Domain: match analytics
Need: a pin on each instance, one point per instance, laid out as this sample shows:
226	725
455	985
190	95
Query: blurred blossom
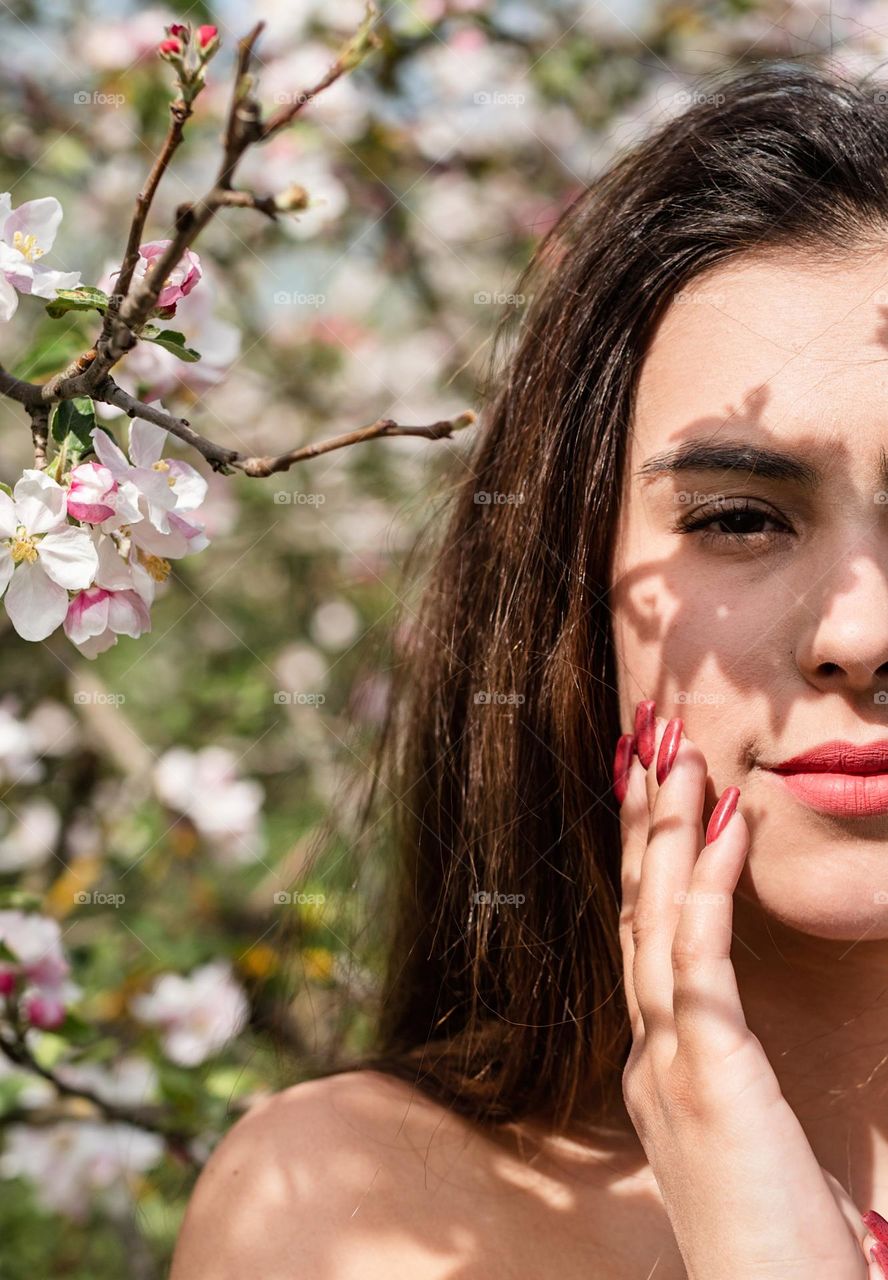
119	43
30	1090
72	1162
225	808
299	667
328	198
129	1081
341	108
18	747
472	97
53	728
39	974
30	838
335	624
196	1015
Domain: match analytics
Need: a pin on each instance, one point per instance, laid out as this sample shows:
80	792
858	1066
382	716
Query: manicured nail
622	762
876	1225
722	813
645	730
879	1254
668	748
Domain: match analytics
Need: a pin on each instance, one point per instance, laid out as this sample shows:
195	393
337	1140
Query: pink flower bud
8	979
44	1011
206	34
178	29
169	48
90	486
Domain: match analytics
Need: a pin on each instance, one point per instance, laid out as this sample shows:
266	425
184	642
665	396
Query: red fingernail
722	813
645	730
876	1225
622	761
879	1253
668	748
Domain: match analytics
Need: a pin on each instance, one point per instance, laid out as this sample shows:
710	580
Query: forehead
770	346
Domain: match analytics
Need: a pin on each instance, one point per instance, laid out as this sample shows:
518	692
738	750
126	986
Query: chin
822	901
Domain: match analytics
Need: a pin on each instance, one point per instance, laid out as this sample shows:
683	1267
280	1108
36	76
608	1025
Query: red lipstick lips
840	778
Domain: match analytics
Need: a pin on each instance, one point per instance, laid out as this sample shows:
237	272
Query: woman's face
767	629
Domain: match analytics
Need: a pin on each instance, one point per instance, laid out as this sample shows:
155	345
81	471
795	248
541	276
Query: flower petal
8	521
8	299
36	605
37	218
69	557
45	281
40	503
146	442
110	453
7	565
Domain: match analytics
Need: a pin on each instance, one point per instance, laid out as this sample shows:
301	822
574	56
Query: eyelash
702	521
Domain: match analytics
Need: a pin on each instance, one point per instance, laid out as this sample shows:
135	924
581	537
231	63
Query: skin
779	642
767	641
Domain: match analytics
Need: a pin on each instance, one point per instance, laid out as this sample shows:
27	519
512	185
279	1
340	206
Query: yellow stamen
156	565
23	548
160	465
27	245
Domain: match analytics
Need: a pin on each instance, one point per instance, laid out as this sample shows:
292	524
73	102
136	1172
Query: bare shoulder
311	1180
358	1176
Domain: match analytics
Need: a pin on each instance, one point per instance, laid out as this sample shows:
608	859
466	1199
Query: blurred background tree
160	803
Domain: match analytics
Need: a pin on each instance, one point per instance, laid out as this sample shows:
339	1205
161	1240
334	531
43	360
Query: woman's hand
745	1195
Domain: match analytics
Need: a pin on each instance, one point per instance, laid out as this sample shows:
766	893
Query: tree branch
223	459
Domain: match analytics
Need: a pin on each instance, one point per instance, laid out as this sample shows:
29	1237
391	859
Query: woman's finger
706	1004
634	821
675	839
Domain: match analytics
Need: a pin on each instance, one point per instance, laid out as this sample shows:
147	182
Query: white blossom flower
225	808
25	236
197	1014
72	1162
42	556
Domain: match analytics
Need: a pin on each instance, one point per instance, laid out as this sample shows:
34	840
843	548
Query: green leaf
13	898
7	488
170	340
83	298
72	422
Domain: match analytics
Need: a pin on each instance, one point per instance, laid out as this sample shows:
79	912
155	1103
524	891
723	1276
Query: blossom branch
223	459
150	1119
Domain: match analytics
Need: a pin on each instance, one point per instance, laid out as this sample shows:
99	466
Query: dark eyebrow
701	455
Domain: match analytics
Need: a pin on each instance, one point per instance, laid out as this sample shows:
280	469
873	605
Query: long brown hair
503	992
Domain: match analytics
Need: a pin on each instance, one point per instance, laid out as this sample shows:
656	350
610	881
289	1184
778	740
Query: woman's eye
735	523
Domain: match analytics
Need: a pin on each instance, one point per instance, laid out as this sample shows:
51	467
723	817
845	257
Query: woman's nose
845	639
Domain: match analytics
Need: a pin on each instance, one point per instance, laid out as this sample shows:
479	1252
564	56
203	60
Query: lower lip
850	795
